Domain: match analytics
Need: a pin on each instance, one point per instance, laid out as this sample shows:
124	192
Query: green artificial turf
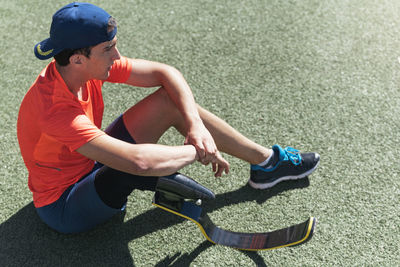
316	75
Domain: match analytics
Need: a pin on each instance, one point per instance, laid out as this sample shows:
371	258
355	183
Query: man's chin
105	76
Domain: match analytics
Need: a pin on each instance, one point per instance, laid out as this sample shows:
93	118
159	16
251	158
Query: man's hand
207	151
201	139
220	165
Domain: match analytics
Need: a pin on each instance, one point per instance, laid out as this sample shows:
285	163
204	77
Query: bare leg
232	142
148	120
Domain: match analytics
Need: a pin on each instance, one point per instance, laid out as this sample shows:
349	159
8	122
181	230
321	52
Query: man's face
101	58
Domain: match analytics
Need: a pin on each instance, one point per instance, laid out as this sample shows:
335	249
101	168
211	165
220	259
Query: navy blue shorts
80	208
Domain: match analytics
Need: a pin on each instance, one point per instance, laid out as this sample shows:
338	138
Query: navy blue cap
74	26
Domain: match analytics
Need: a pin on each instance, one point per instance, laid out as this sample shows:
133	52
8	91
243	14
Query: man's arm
153	159
138	159
151	74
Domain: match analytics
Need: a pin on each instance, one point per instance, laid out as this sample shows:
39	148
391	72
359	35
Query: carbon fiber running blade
290	236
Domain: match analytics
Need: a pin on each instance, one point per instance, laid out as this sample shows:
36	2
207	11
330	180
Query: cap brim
45	49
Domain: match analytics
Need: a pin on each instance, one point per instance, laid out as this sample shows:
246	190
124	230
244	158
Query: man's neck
74	80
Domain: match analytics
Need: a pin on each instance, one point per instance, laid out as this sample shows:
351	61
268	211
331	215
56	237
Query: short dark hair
62	58
112	23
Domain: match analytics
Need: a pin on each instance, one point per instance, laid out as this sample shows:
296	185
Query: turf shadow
26	241
179	259
246	193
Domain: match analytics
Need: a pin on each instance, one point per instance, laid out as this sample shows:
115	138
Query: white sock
265	162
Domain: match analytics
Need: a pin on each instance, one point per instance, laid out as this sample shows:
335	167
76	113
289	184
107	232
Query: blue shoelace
293	155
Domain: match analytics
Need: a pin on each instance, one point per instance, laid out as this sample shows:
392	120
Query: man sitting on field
81	175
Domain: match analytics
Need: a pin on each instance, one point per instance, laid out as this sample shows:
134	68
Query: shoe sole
284	178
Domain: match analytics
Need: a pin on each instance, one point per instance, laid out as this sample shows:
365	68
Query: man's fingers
201	152
210	146
204	144
220	165
219	171
227	168
206	156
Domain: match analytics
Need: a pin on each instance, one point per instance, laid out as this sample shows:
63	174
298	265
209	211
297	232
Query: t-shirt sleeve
69	125
120	71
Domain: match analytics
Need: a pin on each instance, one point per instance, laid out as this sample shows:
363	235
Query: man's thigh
78	209
150	118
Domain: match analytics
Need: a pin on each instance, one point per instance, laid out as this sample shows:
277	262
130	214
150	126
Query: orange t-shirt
53	123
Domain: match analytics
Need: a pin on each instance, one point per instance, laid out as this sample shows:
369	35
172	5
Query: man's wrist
193	148
193	121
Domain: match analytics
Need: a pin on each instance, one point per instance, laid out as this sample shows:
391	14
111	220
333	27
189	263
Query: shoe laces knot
293	155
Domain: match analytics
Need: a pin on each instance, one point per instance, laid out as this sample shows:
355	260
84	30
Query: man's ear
75	59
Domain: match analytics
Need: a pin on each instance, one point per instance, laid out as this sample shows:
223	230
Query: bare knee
166	101
163	95
169	108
